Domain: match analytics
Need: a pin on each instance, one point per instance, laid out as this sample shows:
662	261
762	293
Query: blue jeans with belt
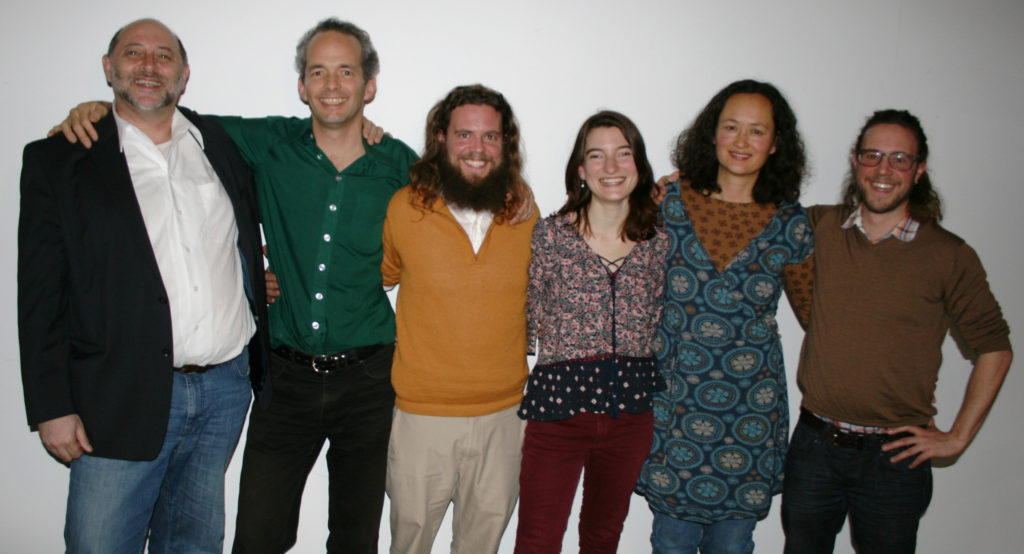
176	499
830	474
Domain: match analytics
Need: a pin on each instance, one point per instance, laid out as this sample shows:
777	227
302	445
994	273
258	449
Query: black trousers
351	408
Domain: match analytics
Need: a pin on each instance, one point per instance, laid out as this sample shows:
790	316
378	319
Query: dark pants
351	408
608	451
824	482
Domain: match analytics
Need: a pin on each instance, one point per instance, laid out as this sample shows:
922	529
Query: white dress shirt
191	225
474	223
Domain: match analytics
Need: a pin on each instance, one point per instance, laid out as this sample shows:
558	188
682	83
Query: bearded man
460	355
889	283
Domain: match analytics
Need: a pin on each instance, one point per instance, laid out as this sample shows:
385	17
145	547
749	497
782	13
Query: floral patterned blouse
594	327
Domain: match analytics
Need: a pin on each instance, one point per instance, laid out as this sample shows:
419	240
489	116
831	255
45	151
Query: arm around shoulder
78	125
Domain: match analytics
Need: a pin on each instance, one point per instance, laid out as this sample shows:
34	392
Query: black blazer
94	322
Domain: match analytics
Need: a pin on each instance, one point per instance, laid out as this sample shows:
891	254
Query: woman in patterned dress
739	238
597	276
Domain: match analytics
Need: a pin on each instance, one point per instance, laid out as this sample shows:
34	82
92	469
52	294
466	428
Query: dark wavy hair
924	202
370	62
424	176
643	211
783	173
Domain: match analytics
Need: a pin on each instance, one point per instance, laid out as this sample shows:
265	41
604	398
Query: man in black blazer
139	293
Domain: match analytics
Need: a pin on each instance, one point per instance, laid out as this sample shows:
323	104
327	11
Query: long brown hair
923	202
643	212
424	177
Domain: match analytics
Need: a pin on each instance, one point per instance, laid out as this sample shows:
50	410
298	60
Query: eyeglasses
900	161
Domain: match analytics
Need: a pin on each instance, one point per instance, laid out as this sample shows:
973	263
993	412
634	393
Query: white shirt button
321	267
327	237
319	296
316	325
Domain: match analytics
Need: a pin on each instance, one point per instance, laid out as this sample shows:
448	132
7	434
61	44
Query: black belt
327	363
193	369
848	439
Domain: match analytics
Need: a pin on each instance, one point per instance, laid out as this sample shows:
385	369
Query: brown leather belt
327	363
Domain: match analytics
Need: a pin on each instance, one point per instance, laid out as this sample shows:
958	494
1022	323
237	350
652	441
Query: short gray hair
370	62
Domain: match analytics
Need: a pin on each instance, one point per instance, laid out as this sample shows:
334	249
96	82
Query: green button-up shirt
323	231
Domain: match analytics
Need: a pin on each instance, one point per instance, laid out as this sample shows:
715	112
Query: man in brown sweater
889	284
460	360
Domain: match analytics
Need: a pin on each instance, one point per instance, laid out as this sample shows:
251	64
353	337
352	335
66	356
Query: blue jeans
676	536
177	499
824	482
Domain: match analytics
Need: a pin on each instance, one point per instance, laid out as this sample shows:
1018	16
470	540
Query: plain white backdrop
958	65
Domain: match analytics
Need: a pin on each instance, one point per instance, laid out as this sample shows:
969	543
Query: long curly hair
924	202
783	173
642	219
424	175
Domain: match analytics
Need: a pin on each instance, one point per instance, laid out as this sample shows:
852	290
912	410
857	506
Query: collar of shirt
474	223
905	230
180	126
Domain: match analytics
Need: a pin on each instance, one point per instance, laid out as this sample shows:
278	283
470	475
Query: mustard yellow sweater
460	318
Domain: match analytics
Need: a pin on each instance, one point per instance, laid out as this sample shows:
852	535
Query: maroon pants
608	451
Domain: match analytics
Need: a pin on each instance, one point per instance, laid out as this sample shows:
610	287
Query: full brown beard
485	195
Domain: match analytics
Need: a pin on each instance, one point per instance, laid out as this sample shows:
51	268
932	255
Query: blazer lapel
111	173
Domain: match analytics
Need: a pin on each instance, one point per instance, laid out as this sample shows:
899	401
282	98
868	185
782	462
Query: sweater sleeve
976	318
391	263
798	280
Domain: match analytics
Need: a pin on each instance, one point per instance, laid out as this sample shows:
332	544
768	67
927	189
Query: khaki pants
471	462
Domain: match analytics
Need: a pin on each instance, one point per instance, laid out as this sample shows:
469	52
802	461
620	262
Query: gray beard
170	97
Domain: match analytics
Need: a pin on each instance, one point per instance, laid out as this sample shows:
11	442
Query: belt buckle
849	440
321	358
836	435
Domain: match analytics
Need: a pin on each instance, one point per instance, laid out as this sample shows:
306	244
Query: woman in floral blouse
738	239
597	276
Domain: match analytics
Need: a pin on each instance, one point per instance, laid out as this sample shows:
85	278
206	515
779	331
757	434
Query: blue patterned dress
721	426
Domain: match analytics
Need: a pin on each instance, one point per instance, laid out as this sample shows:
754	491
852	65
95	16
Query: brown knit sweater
879	315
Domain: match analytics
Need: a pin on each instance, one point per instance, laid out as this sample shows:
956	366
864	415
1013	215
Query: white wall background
958	65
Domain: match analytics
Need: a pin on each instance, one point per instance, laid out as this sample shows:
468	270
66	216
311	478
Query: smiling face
608	166
473	141
333	85
883	189
745	136
146	69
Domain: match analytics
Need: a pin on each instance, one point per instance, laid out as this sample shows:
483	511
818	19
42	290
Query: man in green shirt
323	194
